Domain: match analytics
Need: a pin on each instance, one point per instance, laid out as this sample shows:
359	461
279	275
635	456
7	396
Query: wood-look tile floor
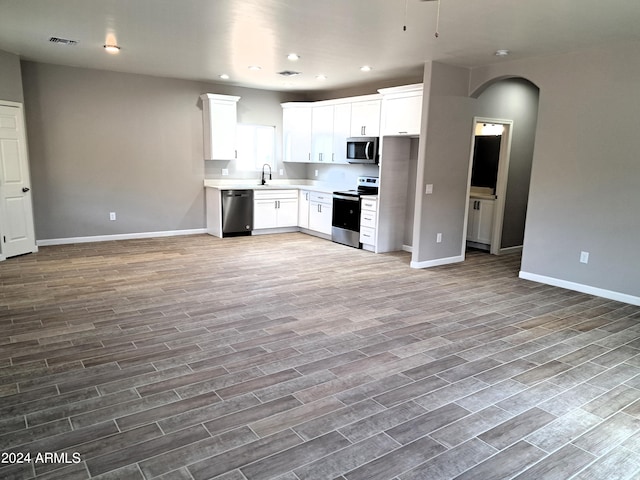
291	357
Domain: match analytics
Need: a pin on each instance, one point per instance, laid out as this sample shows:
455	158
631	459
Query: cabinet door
320	217
341	131
480	223
303	209
287	212
296	127
220	118
485	221
322	134
402	115
264	214
365	119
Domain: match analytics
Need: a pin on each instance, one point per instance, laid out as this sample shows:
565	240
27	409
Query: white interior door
16	211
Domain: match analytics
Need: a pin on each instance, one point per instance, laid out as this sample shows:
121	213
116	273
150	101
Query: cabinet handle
319	208
309	156
402	133
333	156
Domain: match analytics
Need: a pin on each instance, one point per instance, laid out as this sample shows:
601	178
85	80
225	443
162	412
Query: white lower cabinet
480	224
275	209
303	208
320	212
368	212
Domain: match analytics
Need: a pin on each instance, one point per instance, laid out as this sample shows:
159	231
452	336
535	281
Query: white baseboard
507	250
407	248
578	287
120	236
437	262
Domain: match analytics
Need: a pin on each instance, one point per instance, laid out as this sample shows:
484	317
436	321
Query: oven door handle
346	197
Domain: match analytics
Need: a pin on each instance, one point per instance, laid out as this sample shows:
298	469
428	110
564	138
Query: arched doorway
512	104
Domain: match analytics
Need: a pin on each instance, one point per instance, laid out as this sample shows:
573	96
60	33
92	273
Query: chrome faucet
263	180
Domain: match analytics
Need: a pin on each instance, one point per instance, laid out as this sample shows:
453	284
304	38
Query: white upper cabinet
296	136
365	118
219	120
341	131
402	110
322	134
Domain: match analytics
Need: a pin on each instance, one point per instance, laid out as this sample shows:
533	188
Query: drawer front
367	219
320	197
368	204
367	235
274	194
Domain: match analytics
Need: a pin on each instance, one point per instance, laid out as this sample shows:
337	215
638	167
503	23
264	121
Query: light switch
225	171
429	189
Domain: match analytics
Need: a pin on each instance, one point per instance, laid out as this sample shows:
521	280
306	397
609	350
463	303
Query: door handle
25	189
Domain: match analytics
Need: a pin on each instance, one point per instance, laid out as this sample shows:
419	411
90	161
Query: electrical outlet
316	173
584	257
281	171
428	189
225	171
438	238
112	216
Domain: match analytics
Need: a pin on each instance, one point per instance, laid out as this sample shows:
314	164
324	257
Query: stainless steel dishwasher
237	212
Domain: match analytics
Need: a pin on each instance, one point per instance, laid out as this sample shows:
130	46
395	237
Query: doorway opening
487	184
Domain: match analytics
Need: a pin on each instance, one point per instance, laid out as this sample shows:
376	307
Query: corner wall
443	161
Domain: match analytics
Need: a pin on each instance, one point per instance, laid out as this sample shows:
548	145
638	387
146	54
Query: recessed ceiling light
112	48
224	76
365	68
502	52
321	77
293	57
255	68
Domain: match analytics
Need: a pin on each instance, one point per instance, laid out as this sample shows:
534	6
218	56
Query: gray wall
443	160
105	141
10	77
586	172
517	100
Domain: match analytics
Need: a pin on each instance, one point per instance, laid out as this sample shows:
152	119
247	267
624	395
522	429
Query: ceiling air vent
288	73
63	41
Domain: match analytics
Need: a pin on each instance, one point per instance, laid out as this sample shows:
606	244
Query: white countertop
482	193
247	184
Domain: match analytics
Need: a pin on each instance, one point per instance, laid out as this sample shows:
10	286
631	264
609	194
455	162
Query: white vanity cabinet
480	223
368	213
275	209
219	114
365	118
320	212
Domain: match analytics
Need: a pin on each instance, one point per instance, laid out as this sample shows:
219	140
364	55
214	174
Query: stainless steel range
345	224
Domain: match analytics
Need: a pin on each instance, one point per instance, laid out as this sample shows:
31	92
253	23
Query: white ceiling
201	39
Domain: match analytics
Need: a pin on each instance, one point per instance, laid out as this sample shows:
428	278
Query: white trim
437	262
269	231
120	236
578	287
407	248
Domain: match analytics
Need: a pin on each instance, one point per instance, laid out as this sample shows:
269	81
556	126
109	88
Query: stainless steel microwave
362	150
